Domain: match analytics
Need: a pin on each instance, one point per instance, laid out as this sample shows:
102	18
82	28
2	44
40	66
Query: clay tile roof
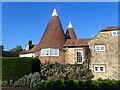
110	28
53	36
24	51
76	42
35	48
70	34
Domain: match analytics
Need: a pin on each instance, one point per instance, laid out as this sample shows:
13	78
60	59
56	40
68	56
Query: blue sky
23	21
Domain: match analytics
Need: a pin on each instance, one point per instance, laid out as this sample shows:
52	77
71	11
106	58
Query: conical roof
53	36
70	34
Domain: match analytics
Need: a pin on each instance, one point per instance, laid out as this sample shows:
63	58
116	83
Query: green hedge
14	68
79	84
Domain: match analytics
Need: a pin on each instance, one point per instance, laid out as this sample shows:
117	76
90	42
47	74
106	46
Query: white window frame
27	47
76	57
115	33
99	66
100	46
49	52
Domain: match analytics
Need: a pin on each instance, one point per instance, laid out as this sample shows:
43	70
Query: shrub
30	80
11	83
14	68
66	72
78	84
51	84
70	84
5	83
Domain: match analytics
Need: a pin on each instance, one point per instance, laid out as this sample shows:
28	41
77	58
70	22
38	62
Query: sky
23	21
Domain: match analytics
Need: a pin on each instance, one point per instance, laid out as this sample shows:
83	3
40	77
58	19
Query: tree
18	49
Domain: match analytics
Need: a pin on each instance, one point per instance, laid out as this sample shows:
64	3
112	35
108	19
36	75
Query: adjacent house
101	53
7	53
105	53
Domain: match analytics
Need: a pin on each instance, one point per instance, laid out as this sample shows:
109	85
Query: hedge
14	68
79	84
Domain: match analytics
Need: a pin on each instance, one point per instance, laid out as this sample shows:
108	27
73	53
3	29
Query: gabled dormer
29	45
115	31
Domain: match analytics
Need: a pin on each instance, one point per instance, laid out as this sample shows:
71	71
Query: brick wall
70	55
52	59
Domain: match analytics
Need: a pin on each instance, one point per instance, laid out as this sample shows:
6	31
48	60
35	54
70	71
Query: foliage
14	68
30	80
7	83
78	84
34	81
87	56
18	49
65	72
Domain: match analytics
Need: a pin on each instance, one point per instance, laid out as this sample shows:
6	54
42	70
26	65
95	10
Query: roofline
76	46
108	30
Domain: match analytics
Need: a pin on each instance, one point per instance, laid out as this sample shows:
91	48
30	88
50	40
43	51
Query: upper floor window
100	47
49	52
79	57
115	33
99	68
27	47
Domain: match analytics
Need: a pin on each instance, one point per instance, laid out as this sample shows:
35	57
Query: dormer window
115	33
27	47
49	52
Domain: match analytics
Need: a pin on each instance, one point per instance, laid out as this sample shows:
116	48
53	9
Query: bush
51	84
14	68
70	84
78	84
7	83
30	80
66	72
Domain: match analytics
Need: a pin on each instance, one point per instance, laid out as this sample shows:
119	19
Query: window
99	68
45	52
27	47
100	47
115	33
49	52
79	57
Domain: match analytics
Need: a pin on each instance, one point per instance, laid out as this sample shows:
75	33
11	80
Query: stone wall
52	59
119	57
70	55
109	58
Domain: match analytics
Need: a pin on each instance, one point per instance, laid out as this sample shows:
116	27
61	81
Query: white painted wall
27	55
